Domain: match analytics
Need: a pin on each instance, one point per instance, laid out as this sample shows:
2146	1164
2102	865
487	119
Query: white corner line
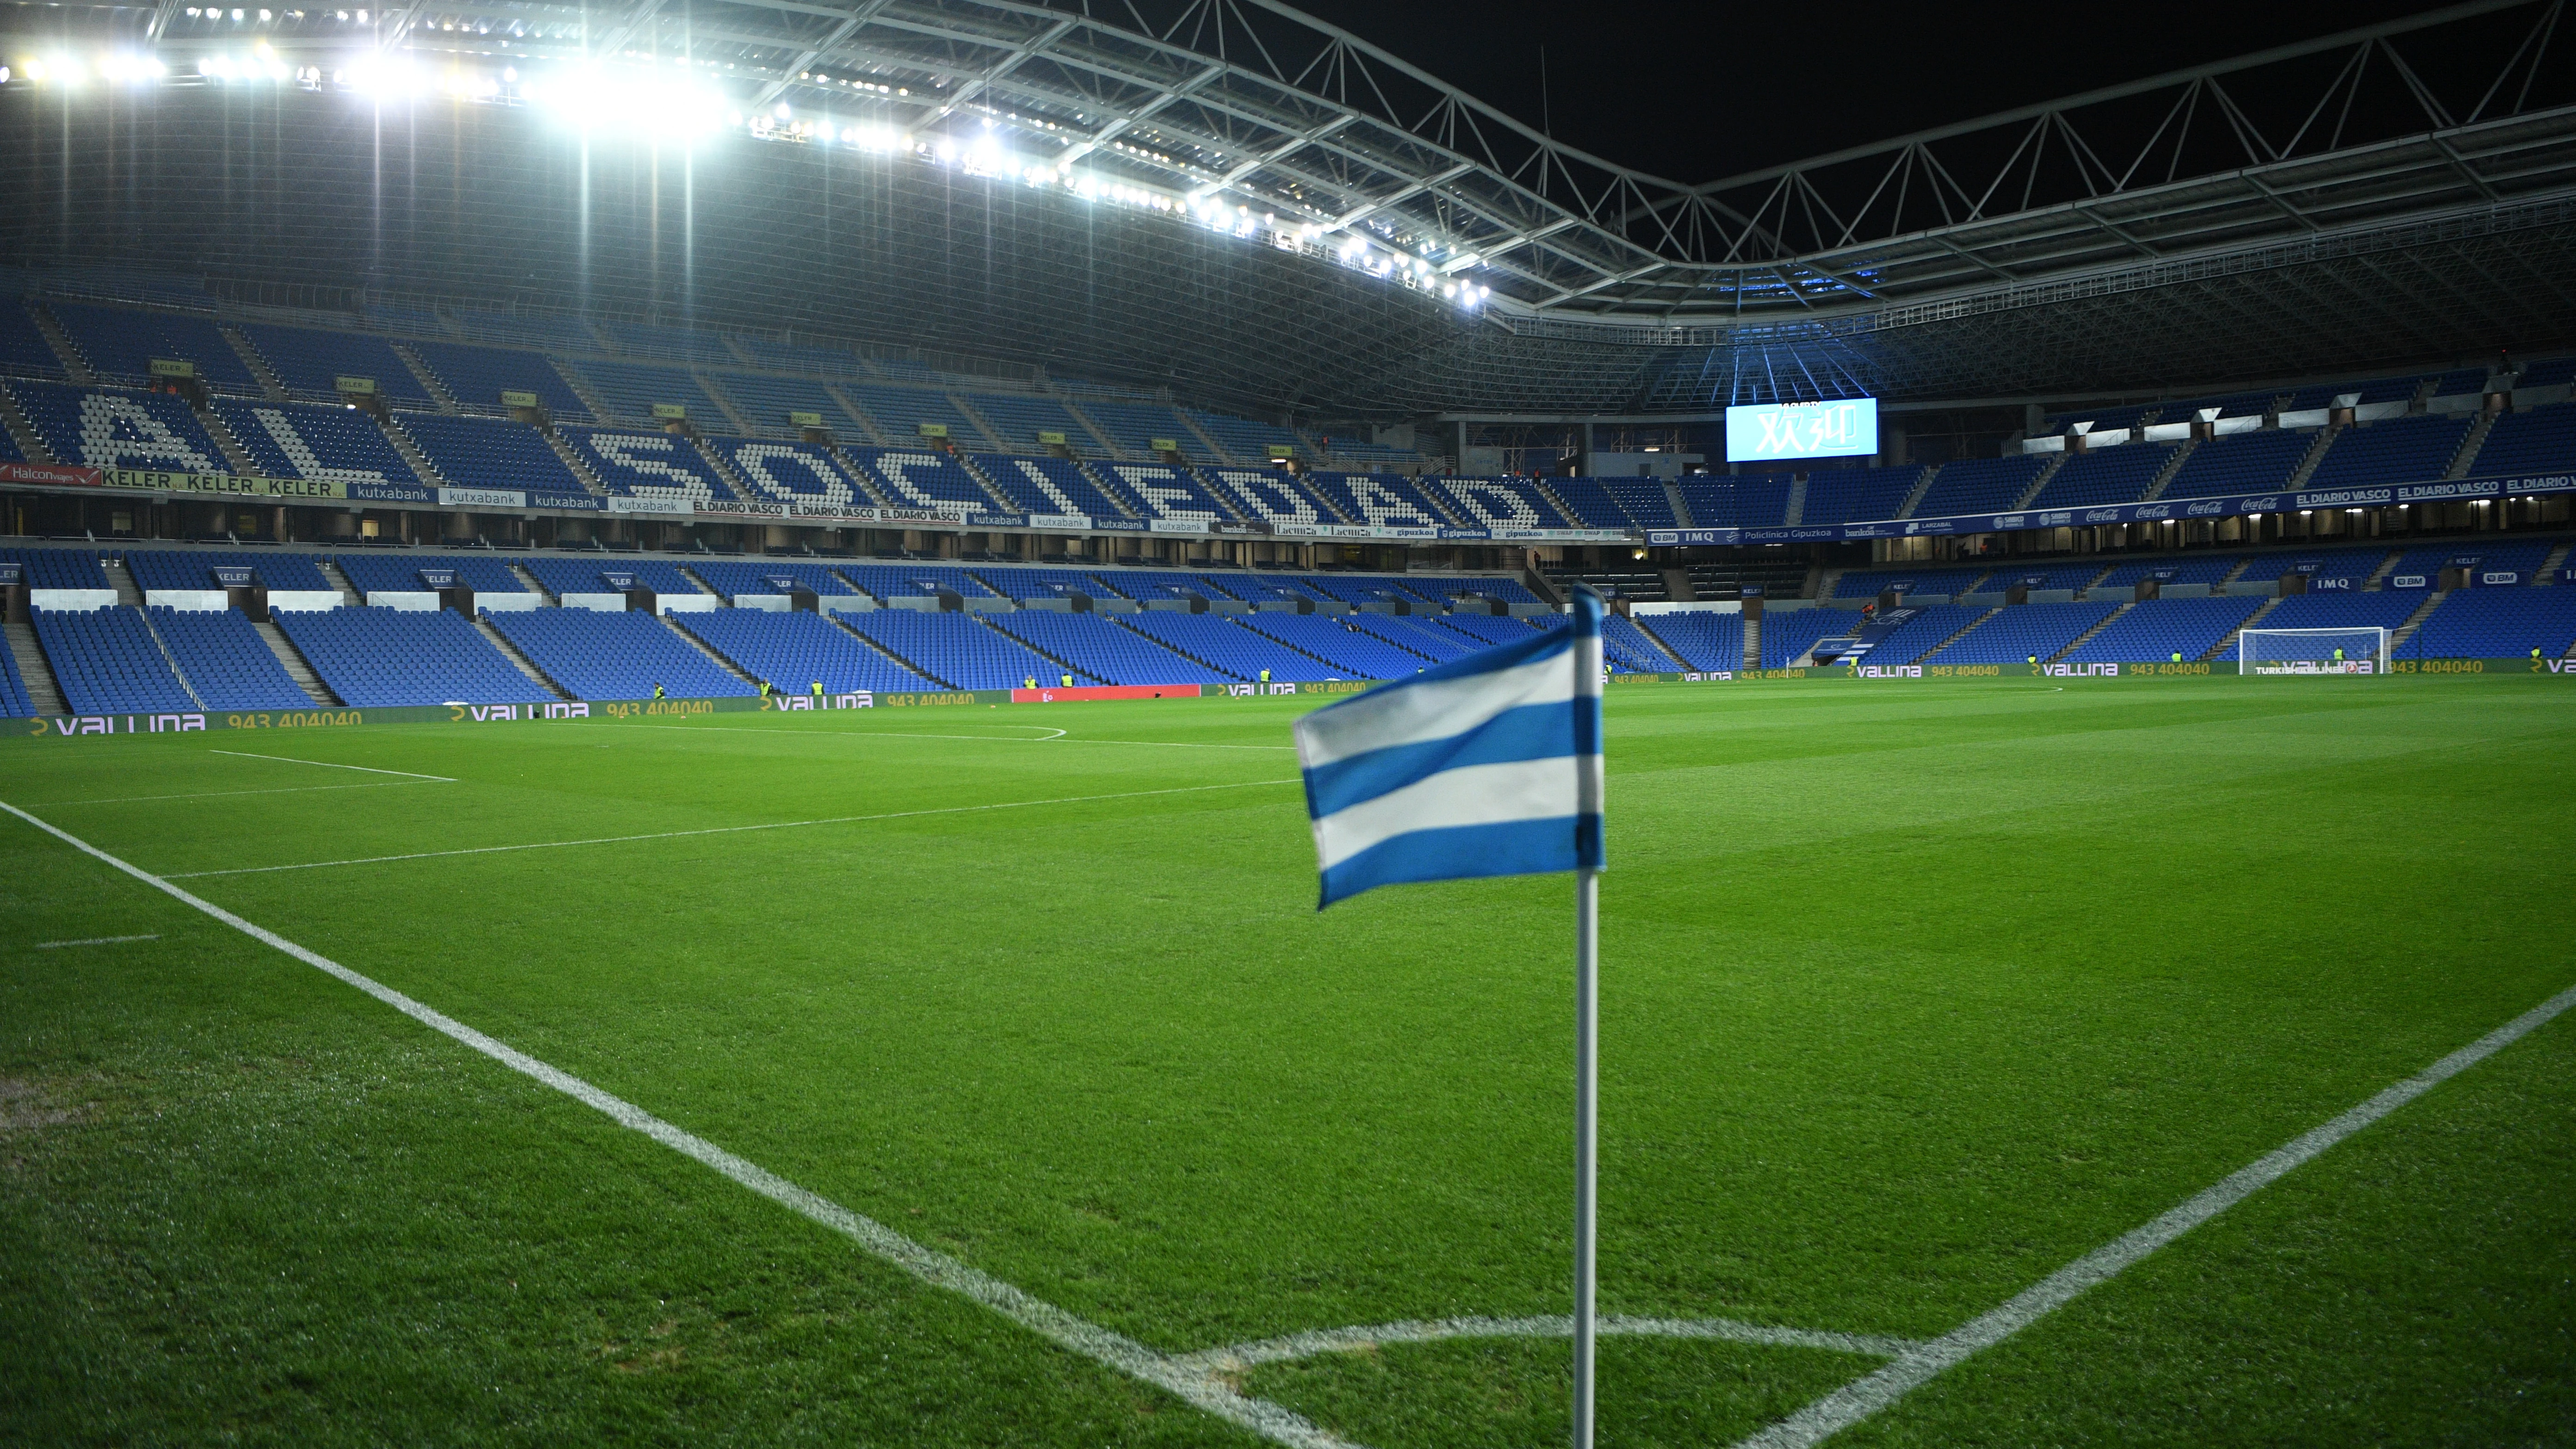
1237	1357
329	765
717	830
95	941
1865	1396
1114	1350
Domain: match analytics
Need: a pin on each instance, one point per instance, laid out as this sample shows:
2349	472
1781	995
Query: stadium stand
1591	503
1248	441
954	649
2488	559
1232	648
383	658
1132	427
593	655
911	478
1051	485
2325	566
14	701
1349	651
589	575
1702	640
324	444
173	568
899	413
1790	633
661	467
2240	463
793	473
791	651
24	352
489	453
912	581
1502	503
1168	492
797	357
765	400
477	376
629	391
106	662
2399	450
2379	610
681	344
399	573
733	578
1018	418
559	334
2540	441
2124	579
1909	641
1382	500
1625	647
2496	624
1486	630
1979	485
101	429
2022	631
58	568
2063	576
1858	495
1870	583
225	661
311	362
2113	475
2155	631
1043	583
1414	635
1092	646
122	345
1267	494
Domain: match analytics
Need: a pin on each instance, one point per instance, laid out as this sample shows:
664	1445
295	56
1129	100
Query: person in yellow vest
818	689
657	689
764	691
2177	656
1068	681
2034	660
1031	682
1265	676
2338	654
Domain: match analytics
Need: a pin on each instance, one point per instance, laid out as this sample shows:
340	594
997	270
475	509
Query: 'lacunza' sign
1841	428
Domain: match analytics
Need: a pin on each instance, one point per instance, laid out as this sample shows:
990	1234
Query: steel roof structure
1306	222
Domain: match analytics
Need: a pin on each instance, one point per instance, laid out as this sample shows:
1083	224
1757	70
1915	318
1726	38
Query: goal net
2312	651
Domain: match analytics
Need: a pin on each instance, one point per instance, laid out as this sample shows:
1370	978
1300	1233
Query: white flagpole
1587	1012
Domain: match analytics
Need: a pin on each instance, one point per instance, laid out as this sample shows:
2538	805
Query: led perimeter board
1769	432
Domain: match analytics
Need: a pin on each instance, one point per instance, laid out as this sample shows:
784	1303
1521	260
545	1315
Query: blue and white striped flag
1487	765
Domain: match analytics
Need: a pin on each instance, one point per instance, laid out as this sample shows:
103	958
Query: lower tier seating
220	653
108	663
793	651
596	655
387	658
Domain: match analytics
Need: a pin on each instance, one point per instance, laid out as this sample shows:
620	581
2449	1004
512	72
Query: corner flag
1487	765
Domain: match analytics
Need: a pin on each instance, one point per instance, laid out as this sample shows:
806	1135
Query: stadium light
603	100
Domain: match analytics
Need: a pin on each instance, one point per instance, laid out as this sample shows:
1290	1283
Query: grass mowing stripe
1863	1397
95	941
723	829
328	765
277	790
1058	737
1194	1386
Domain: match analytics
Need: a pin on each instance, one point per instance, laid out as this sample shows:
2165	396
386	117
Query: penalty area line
722	829
329	765
1102	1346
1866	1396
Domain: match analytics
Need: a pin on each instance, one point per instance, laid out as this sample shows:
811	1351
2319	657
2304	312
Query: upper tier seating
1268	494
1370	589
644	339
792	651
582	574
954	649
664	467
1592	505
2238	463
1045	583
1220	642
1908	642
795	357
1744	500
2064	576
765	402
1101	650
24	352
1870	583
1978	485
629	390
596	655
2496	624
1134	427
2540	441
1019	418
1248	441
100	429
557	334
386	658
1703	641
2356	564
733	578
121	346
58	568
225	660
1168	492
1643	500
325	444
899	413
2153	632
2490	557
1858	495
1055	486
107	663
2397	450
918	478
2020	632
1501	503
1383	500
399	573
2125	578
1786	634
793	473
2113	475
477	376
1349	651
490	453
912	581
311	363
173	568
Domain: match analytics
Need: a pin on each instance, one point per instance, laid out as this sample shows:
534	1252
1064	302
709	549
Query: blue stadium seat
1134	426
2112	475
489	453
629	391
2483	556
2397	450
911	478
1502	503
2542	440
386	658
794	473
100	429
1353	653
311	363
1858	495
2237	463
1377	500
765	401
58	568
122	345
586	574
1870	583
14	701
2153	632
223	658
734	578
912	581
663	467
2021	631
1909	641
325	444
1786	634
2355	564
24	352
1271	495
791	651
615	655
1230	647
1050	485
1168	492
1094	647
956	649
1703	640
1978	485
399	573
2496	624
477	376
193	568
899	413
106	662
1020	417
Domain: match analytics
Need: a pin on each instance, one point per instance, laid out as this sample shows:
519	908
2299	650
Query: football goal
2312	651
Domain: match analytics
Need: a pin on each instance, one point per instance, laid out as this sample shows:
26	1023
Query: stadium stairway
121	579
1958	634
521	662
2550	566
260	371
429	380
861	478
2378	579
700	645
2466	459
34	671
1914	499
170	659
1099	438
1673	500
234	454
2316	456
412	456
2165	475
905	661
519	571
2414	621
572	460
2081	639
31	446
75	366
2226	644
1795	512
1753	643
875	436
292	660
350	598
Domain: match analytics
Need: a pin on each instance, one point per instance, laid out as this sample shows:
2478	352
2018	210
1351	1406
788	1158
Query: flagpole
1587	892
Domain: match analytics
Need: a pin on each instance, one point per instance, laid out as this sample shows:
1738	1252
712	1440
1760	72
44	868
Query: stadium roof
2399	193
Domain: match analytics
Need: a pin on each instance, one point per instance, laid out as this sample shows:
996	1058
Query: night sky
1698	91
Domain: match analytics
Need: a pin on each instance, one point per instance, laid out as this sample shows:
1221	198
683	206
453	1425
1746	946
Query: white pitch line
1059	737
1235	1358
329	765
279	790
1100	1345
94	941
721	830
1863	1397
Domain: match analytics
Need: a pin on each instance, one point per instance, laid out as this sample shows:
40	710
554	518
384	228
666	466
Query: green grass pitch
1912	995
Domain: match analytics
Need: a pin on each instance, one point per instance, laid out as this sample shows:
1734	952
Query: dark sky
1698	91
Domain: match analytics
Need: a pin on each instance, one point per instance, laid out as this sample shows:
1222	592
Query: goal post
2312	651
